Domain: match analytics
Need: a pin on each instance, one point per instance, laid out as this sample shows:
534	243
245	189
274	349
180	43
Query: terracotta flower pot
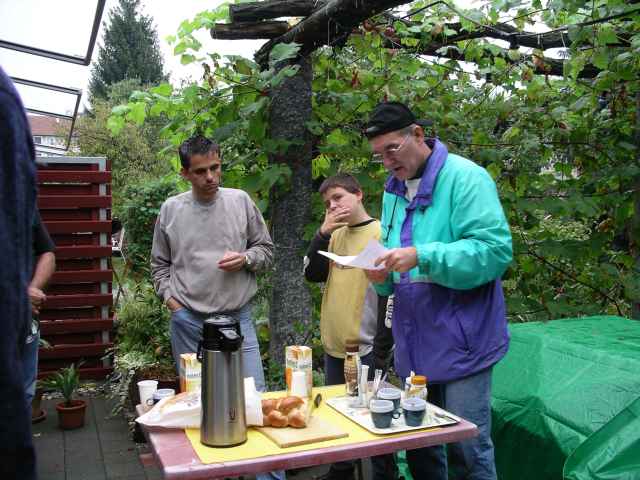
73	416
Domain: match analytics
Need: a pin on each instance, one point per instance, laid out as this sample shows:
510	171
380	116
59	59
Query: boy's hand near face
334	219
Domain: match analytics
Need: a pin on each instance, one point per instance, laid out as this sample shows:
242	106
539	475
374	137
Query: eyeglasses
389	151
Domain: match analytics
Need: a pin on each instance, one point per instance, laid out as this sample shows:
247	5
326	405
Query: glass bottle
417	387
351	367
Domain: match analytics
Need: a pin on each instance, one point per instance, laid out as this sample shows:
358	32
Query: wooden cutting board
318	430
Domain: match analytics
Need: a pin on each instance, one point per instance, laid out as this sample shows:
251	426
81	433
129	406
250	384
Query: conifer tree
130	50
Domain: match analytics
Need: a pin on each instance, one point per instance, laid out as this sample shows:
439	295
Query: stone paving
100	450
103	449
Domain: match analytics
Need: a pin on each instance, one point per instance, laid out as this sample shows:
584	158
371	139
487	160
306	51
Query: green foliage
134	154
130	51
563	150
143	325
143	342
64	381
140	207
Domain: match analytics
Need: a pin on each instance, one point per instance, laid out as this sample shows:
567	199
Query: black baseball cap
389	117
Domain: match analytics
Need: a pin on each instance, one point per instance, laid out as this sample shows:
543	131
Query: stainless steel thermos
223	422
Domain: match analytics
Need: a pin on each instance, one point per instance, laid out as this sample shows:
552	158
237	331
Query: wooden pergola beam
256	11
327	25
249	30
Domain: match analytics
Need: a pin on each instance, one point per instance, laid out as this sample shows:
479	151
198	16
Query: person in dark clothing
351	309
45	264
17	206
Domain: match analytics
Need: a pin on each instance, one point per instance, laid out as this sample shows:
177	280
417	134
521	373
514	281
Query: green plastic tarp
566	401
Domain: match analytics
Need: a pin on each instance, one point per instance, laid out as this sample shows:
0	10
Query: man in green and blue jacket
450	244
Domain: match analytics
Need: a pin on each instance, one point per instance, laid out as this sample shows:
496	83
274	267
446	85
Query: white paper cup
146	389
299	383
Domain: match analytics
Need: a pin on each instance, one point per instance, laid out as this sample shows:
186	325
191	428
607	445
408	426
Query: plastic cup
414	410
382	412
146	389
299	383
392	394
159	395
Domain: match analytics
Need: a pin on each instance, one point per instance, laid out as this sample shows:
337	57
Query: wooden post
290	212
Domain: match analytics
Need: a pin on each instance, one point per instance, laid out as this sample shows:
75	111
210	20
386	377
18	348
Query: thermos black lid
221	333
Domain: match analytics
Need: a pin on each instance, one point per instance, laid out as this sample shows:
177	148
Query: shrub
142	341
140	207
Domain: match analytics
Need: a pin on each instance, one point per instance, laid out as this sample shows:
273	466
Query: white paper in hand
365	259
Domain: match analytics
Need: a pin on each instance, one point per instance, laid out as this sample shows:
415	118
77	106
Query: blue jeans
186	333
471	459
29	360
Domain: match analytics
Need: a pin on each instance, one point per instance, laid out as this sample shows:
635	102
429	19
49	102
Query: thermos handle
232	336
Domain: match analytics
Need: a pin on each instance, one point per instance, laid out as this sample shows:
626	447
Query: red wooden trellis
74	199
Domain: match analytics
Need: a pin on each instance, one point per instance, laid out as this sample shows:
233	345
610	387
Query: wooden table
177	459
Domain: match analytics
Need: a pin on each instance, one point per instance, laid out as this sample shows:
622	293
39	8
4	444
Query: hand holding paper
365	259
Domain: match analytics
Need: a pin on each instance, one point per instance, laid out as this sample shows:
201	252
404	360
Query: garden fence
74	199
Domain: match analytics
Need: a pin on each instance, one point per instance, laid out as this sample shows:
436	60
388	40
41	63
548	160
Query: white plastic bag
252	402
184	410
179	411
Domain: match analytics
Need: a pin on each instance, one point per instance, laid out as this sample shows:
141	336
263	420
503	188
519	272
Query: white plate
435	417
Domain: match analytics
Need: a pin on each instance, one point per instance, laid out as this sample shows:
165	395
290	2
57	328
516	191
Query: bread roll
268	405
296	418
283	412
287	404
277	419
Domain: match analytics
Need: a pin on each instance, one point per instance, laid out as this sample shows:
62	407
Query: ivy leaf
187	59
558	112
115	124
514	55
120	110
320	165
606	36
254	107
284	73
581	103
283	51
163	89
337	138
600	58
137	112
225	131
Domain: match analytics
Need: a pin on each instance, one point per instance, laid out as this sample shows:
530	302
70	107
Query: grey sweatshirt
190	237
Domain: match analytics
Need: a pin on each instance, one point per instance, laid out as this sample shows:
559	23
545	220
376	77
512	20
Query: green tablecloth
566	401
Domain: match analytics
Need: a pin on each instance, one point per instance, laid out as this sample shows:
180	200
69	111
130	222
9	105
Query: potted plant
70	412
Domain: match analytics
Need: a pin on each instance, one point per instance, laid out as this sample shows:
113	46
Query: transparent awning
35	27
42	45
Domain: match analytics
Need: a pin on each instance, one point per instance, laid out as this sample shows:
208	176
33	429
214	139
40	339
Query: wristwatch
248	263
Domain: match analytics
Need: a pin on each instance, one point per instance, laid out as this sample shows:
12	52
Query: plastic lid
418	380
381	406
413	404
388	393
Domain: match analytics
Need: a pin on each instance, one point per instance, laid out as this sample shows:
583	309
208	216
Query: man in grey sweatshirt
207	245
